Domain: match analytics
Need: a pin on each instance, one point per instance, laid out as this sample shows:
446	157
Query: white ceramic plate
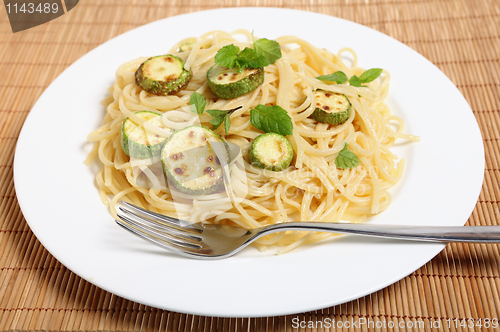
59	199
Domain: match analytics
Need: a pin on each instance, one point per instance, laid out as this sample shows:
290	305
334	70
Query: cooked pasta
313	188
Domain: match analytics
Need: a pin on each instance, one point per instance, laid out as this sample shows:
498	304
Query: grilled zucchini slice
139	142
186	46
190	162
207	43
332	108
227	83
162	75
271	151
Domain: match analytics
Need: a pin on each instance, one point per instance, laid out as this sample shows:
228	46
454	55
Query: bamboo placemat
461	37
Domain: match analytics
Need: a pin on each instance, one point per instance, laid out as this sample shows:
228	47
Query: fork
208	241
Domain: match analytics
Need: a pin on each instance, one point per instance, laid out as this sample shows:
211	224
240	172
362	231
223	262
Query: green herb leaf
370	75
217	113
339	77
346	159
218	118
230	56
271	119
221	116
226	56
354	81
216	122
227	123
248	58
270	49
198	103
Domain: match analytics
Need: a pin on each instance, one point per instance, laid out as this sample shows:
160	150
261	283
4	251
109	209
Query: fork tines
164	231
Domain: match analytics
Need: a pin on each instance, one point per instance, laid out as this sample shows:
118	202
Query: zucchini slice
190	162
227	83
162	75
207	43
139	142
186	46
271	151
332	108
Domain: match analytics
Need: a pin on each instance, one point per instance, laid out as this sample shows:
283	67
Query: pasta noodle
312	189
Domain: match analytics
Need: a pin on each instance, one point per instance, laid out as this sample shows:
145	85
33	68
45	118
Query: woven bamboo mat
461	37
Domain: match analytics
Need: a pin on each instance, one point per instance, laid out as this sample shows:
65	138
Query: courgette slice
190	162
271	151
332	108
207	43
162	75
186	46
227	83
139	142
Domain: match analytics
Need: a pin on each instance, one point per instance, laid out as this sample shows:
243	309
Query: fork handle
477	234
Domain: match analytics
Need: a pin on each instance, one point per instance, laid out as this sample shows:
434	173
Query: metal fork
207	241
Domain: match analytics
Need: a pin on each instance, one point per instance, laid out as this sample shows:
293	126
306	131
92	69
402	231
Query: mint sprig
230	57
271	119
355	81
370	75
346	159
226	56
270	49
220	116
249	58
367	76
264	53
340	77
198	103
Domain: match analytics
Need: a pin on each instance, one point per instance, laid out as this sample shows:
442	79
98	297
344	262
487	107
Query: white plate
59	199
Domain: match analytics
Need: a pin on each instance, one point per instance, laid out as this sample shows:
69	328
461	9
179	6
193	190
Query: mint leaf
248	58
217	113
216	122
346	159
370	75
270	49
339	77
254	59
230	56
218	118
226	56
227	123
271	119
198	103
221	116
354	81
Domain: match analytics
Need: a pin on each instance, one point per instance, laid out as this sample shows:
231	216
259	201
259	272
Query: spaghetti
312	189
